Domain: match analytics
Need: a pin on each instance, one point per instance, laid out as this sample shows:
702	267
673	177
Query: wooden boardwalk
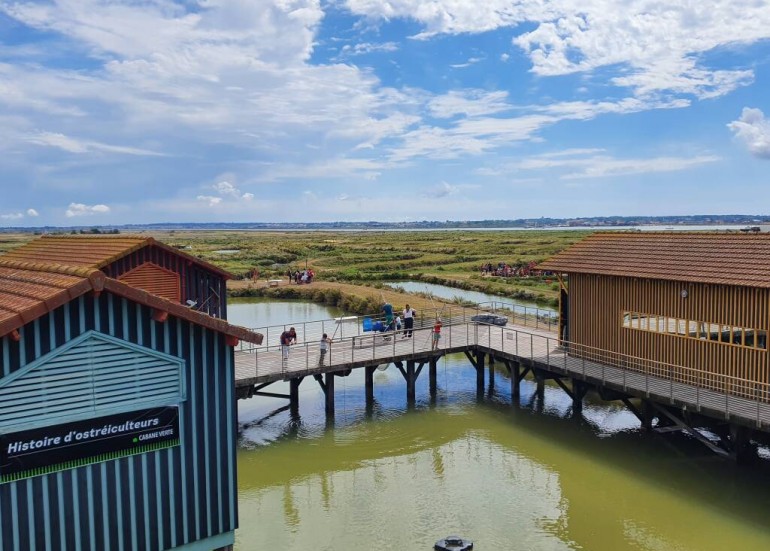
524	346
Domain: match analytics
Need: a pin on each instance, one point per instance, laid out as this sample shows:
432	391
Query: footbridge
676	396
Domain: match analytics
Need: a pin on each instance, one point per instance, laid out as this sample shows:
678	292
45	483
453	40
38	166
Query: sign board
57	447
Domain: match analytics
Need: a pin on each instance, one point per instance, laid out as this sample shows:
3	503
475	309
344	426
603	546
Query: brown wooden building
138	261
694	305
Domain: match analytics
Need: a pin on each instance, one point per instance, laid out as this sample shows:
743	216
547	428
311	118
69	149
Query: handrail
352	325
706	389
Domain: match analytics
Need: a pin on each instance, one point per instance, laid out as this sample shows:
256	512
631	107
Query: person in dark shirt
287	339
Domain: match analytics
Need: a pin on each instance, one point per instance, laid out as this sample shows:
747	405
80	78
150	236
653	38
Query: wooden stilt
410	383
294	394
491	372
369	378
480	360
432	371
515	381
329	395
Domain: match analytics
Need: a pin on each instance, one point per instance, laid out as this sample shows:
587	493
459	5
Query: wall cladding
157	500
597	305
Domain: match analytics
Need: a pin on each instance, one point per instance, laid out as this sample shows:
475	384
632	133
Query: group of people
289	337
502	269
300	276
395	323
392	323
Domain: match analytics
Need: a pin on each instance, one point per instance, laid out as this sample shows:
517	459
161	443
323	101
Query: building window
695	329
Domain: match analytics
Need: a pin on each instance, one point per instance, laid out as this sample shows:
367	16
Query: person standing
287	339
436	334
387	309
409	314
323	348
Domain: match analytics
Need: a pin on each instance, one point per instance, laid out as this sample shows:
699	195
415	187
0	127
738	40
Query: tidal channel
510	477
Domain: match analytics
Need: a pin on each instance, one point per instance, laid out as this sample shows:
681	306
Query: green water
510	477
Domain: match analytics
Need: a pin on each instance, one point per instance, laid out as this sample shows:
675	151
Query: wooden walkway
526	347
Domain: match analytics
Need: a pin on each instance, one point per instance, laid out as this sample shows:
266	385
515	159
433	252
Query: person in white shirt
409	314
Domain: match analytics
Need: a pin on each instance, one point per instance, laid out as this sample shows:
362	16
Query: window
696	329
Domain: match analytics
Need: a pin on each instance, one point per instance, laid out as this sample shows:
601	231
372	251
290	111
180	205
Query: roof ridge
97	236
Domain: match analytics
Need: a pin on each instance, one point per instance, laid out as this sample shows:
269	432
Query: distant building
117	406
695	300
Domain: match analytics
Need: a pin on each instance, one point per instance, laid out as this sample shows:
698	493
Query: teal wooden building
117	415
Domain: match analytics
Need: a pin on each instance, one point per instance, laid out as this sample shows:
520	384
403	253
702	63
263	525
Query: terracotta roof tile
719	258
94	251
30	290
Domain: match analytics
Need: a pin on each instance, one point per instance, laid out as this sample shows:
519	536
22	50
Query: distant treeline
543	222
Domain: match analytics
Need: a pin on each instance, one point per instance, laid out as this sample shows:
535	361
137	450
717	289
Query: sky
147	111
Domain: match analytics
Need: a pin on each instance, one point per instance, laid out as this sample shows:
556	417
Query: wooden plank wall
597	305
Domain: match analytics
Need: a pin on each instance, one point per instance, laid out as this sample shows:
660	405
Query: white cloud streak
80	209
655	44
753	130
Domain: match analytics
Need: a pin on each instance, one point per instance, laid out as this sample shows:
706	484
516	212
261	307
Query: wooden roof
718	258
29	290
94	251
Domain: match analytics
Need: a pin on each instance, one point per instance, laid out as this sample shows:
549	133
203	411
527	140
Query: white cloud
582	164
226	192
471	61
211	200
80	209
468	102
12	216
367	48
442	190
72	145
19	215
753	129
654	44
227	72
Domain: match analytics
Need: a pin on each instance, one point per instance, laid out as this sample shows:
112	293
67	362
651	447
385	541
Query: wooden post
432	378
410	383
329	395
540	387
294	394
480	359
369	376
579	390
741	448
491	372
515	381
648	414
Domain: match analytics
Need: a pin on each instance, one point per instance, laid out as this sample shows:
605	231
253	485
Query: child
323	347
436	334
398	323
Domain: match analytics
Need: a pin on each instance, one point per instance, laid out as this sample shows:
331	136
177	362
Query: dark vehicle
491	319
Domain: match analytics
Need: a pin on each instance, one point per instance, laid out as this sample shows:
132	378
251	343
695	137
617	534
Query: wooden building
117	408
138	261
696	305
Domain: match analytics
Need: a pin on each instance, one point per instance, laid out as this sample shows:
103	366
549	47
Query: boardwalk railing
729	394
352	326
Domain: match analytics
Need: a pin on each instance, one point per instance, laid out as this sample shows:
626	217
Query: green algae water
531	476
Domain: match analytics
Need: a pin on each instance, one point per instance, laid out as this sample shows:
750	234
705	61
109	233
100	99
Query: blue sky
138	111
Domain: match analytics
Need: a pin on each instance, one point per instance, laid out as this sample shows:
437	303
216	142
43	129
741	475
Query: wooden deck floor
529	347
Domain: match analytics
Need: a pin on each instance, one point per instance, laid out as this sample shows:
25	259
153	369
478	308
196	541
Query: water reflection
501	474
450	293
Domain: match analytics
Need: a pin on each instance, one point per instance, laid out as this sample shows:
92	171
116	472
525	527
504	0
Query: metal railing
700	389
349	326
